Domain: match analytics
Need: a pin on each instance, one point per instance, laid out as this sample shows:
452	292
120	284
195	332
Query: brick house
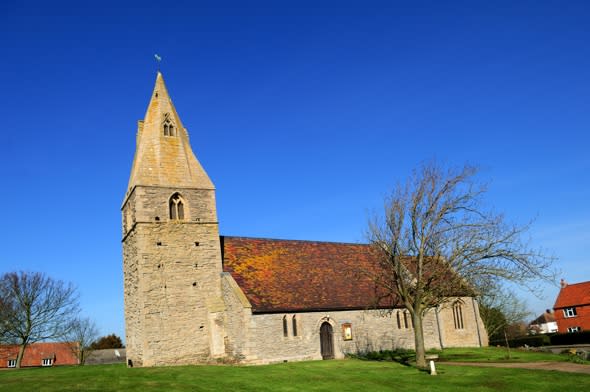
572	307
40	354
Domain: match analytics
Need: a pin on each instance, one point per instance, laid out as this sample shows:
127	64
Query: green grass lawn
338	375
498	354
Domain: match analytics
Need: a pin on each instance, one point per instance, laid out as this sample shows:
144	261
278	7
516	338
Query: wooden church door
327	341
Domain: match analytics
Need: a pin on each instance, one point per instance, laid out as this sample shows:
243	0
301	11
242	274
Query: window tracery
176	207
168	125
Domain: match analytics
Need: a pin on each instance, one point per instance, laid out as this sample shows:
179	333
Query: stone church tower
171	249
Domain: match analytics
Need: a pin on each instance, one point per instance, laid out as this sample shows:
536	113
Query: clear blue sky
304	116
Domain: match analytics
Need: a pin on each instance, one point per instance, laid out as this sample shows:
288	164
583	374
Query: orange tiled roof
573	295
60	352
291	276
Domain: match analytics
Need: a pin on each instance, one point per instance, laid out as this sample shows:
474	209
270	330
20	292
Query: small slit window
458	315
294	322
285	329
176	207
405	320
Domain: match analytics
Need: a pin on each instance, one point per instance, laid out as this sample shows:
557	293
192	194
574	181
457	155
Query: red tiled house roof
291	276
576	294
60	352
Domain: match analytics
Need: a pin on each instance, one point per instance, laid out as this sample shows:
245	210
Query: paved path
558	366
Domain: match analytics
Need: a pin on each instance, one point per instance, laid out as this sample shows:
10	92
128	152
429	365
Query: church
193	296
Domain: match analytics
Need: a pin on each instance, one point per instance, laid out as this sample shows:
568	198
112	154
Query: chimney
563	283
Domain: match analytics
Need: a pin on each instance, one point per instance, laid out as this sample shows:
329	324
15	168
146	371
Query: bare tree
500	308
435	241
6	308
36	308
82	334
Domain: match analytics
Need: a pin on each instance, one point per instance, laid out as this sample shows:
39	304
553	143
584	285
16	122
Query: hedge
557	339
532	341
571	338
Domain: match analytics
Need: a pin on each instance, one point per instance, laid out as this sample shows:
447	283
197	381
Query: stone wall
260	338
372	330
472	333
173	307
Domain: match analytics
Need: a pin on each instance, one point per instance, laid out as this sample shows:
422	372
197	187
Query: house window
285	329
569	312
176	207
399	322
47	362
574	329
294	321
12	363
458	315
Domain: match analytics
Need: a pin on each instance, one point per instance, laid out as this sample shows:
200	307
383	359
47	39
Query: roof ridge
578	283
296	240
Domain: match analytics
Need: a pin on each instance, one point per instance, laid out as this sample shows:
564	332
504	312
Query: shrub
399	355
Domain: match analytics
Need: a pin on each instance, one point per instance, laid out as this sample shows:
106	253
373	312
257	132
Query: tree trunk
21	353
507	345
419	341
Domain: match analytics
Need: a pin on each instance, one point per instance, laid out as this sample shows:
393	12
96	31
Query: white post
432	368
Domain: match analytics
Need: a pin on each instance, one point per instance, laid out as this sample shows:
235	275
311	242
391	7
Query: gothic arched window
176	207
168	126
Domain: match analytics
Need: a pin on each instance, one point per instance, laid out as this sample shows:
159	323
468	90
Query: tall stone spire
163	156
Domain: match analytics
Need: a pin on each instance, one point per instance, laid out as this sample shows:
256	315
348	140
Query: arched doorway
327	341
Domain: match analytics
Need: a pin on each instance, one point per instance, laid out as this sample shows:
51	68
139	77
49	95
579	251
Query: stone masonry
172	265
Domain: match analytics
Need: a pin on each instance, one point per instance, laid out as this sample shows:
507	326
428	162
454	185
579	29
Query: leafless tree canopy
500	308
5	311
34	308
82	334
436	240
